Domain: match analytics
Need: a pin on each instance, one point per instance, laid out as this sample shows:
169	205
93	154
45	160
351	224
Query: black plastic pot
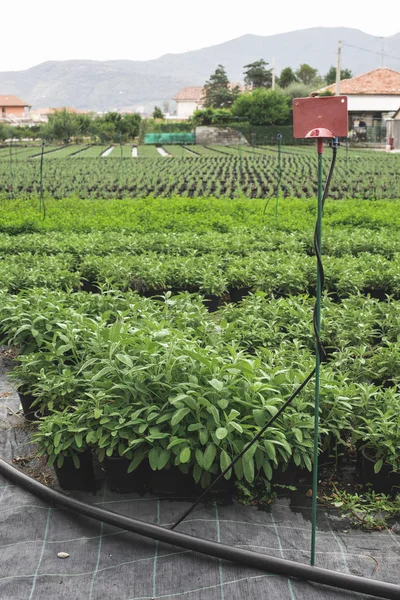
237	294
26	402
71	478
119	480
386	481
171	482
290	476
212	302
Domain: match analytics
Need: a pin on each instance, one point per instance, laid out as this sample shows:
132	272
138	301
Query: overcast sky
39	30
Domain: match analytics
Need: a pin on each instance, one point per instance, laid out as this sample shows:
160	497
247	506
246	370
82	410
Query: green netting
170	138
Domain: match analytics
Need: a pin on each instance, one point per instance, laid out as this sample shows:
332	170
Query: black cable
247	447
248	558
320	350
317	245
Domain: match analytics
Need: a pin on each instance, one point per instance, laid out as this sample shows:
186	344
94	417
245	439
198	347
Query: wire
320	350
371	51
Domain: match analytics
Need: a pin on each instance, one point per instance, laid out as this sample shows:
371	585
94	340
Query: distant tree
62	125
330	77
130	125
306	74
262	107
166	107
217	93
297	90
326	93
84	125
157	113
211	116
257	76
287	77
4	132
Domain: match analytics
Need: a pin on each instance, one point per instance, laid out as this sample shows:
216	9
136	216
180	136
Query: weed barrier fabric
105	562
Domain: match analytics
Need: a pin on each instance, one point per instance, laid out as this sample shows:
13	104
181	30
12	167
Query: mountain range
139	85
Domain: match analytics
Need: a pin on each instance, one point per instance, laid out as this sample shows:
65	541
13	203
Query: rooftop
379	81
9	100
196	93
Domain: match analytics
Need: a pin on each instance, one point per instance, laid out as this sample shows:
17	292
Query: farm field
196	171
196	314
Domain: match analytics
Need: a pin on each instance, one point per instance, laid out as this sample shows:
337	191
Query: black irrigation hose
248	558
320	350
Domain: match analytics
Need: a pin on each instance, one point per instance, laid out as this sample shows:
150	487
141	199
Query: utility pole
339	52
383	51
273	73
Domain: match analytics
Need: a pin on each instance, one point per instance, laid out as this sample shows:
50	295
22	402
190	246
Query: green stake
317	360
278	189
42	206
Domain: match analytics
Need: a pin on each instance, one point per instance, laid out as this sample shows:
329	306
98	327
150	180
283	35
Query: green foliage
212	116
286	77
157	113
330	77
306	74
262	107
368	511
257	76
217	92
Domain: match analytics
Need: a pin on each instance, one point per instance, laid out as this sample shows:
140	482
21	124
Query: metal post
11	171
240	157
42	206
317	358
338	69
347	155
278	188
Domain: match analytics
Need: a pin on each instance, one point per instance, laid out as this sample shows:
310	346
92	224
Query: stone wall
223	136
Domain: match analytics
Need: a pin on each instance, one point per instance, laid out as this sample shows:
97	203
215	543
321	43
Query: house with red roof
191	98
373	98
12	107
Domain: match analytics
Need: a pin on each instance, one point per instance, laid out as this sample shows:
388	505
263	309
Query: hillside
127	84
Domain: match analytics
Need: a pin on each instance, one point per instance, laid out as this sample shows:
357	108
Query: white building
191	98
373	97
188	100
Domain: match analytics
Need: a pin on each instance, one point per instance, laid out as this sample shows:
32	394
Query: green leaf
218	385
197	471
199	457
307	462
203	436
185	455
97	413
248	469
163	458
78	440
221	433
378	465
223	404
125	359
209	455
179	415
267	470
136	460
153	458
298	434
195	427
270	448
259	417
224	462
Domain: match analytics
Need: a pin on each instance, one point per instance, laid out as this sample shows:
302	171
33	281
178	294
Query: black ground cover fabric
107	563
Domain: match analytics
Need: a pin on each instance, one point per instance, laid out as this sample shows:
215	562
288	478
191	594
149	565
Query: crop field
191	318
195	171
